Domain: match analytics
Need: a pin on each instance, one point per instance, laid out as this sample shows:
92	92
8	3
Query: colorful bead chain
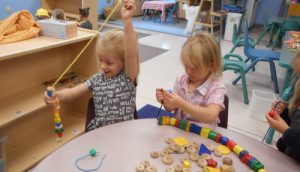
59	129
206	132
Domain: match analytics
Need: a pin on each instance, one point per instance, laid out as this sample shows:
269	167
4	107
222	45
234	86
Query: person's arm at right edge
291	136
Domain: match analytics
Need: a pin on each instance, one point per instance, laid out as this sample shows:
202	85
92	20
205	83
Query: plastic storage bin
232	18
260	104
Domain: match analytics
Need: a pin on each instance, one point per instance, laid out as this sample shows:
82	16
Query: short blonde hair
112	41
202	52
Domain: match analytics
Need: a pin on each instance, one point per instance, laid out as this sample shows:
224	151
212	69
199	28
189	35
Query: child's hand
280	106
128	9
159	95
277	123
50	101
173	99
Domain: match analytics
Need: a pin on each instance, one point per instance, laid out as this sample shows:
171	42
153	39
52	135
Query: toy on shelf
69	80
205	132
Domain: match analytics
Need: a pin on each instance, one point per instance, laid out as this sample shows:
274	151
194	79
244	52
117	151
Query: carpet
164	27
148	52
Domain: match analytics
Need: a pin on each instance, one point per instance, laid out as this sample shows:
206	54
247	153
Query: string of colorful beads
206	132
59	129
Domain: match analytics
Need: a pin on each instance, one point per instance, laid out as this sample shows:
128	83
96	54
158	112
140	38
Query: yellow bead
187	129
186	164
57	120
237	149
205	132
172	121
210	169
262	170
56	115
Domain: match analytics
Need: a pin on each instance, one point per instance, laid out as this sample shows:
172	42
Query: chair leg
233	48
248	68
244	84
145	13
274	76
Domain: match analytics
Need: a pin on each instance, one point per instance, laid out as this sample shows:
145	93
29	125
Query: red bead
218	138
177	123
246	158
212	163
230	144
60	134
272	113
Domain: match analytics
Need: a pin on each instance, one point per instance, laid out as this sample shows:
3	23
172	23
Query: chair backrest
90	112
223	116
246	40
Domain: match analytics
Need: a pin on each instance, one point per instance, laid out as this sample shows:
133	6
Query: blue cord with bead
92	153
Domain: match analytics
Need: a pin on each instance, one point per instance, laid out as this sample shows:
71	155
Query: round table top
128	143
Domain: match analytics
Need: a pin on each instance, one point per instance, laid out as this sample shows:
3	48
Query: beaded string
206	132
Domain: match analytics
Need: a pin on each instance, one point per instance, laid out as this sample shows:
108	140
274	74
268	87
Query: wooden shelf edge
31	157
41	43
21	104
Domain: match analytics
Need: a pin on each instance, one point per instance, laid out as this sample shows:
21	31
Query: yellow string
79	54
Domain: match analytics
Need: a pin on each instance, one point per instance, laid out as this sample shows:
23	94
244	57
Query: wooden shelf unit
71	7
24	117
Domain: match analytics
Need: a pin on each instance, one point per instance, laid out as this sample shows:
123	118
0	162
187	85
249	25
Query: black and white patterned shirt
114	99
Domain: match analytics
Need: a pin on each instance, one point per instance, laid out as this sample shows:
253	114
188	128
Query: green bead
257	166
92	152
212	135
160	119
182	124
60	130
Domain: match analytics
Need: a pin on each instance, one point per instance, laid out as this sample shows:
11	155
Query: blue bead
224	140
242	153
195	128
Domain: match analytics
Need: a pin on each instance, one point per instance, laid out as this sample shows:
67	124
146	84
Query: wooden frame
24	117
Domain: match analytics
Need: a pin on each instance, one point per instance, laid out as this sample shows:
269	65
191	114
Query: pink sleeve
216	94
176	85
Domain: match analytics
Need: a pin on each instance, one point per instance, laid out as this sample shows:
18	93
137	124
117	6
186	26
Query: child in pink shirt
198	94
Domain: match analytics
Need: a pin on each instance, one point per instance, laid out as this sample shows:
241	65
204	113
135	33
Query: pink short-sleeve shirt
212	91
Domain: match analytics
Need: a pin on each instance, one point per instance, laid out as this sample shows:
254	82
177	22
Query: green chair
173	11
237	65
266	29
239	41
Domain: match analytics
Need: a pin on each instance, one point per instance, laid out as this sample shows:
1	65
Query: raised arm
131	46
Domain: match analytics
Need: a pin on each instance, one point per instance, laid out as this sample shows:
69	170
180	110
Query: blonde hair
202	52
293	105
113	41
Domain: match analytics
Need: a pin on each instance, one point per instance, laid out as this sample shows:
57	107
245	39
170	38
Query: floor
161	71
